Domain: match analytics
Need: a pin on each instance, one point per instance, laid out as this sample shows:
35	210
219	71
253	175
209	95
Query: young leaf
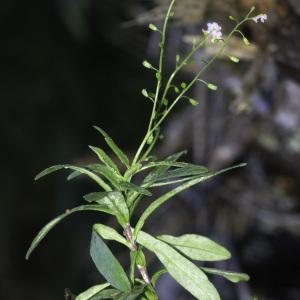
164	198
231	276
181	269
120	154
107	264
105	159
77	169
91	292
44	231
109	233
114	201
132	187
157	275
197	247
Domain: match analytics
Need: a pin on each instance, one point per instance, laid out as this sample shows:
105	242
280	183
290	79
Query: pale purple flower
213	31
262	18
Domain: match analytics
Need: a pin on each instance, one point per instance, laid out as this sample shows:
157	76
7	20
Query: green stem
153	114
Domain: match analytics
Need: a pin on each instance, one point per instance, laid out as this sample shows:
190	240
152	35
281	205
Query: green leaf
107	264
189	170
132	187
130	295
120	154
132	171
150	293
231	276
106	294
109	233
74	168
197	247
91	292
114	201
157	275
180	268
140	259
44	231
164	198
105	159
113	177
161	169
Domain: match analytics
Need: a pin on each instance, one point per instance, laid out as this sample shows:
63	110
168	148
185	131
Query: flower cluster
213	31
262	18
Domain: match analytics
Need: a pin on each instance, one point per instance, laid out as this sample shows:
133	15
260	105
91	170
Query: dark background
68	65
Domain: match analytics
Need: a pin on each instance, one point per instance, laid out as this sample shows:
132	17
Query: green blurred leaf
120	154
231	276
114	201
77	169
197	247
44	231
164	198
109	233
105	159
91	292
157	275
132	187
181	269
107	264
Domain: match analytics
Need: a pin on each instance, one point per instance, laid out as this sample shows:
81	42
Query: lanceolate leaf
159	171
74	168
189	170
231	276
106	294
109	233
154	175
131	295
91	292
108	265
180	268
197	247
164	198
105	158
43	232
135	188
114	201
120	154
113	177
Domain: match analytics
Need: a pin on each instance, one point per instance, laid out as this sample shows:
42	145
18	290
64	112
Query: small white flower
262	18
213	31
